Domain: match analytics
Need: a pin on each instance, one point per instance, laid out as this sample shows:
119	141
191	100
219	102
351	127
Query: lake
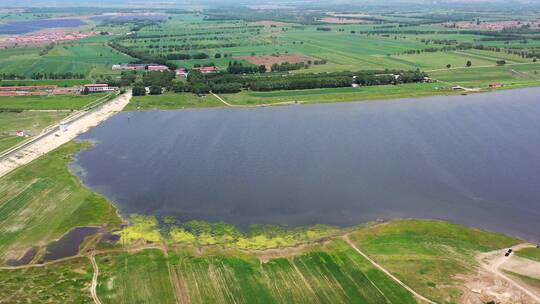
23	27
473	160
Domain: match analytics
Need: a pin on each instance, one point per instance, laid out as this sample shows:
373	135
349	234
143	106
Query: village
43	38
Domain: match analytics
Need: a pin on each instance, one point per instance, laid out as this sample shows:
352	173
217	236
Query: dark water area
473	160
23	27
69	244
130	18
24	260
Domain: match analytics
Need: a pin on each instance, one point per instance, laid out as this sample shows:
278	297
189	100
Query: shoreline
54	138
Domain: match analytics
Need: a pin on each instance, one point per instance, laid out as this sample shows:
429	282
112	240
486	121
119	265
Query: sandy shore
56	139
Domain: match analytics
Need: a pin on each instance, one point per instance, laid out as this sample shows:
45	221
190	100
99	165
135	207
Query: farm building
140	67
181	72
159	68
93	88
207	70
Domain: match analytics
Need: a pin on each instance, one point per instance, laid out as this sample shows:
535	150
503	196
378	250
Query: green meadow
30	122
171	101
43	200
428	255
48	102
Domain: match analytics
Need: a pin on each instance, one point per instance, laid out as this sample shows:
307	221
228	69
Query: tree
139	91
156	90
85	91
501	62
469	63
448	66
217	55
534	59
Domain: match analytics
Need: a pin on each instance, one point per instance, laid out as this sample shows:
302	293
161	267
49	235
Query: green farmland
43	200
30	122
51	102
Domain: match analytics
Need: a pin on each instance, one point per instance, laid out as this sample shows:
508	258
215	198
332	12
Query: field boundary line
417	295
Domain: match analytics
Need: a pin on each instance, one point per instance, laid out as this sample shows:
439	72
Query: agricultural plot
141	277
511	75
427	255
75	57
171	101
30	122
339	94
65	282
332	273
51	102
42	201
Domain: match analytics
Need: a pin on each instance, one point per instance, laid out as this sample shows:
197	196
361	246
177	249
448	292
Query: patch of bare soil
484	287
490	283
523	266
269	60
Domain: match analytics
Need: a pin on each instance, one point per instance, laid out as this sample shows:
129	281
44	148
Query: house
206	70
181	72
99	87
20	133
496	85
129	66
158	68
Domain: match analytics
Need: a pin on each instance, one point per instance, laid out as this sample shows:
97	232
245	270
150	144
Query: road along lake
472	159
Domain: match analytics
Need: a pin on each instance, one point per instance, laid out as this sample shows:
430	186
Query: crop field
141	277
43	200
31	122
427	255
173	101
82	57
50	102
333	273
66	282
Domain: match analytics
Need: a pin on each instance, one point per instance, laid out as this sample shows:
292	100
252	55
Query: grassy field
170	101
43	200
529	253
60	82
427	255
53	102
89	58
31	122
332	273
66	282
339	94
135	278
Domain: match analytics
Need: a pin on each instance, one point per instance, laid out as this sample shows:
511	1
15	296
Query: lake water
23	27
473	160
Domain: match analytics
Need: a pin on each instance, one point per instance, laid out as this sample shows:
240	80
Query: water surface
23	27
471	159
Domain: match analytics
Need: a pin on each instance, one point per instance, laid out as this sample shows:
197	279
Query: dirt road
54	139
93	286
494	261
417	295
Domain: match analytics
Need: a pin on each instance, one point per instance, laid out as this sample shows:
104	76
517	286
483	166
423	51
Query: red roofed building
207	70
99	87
